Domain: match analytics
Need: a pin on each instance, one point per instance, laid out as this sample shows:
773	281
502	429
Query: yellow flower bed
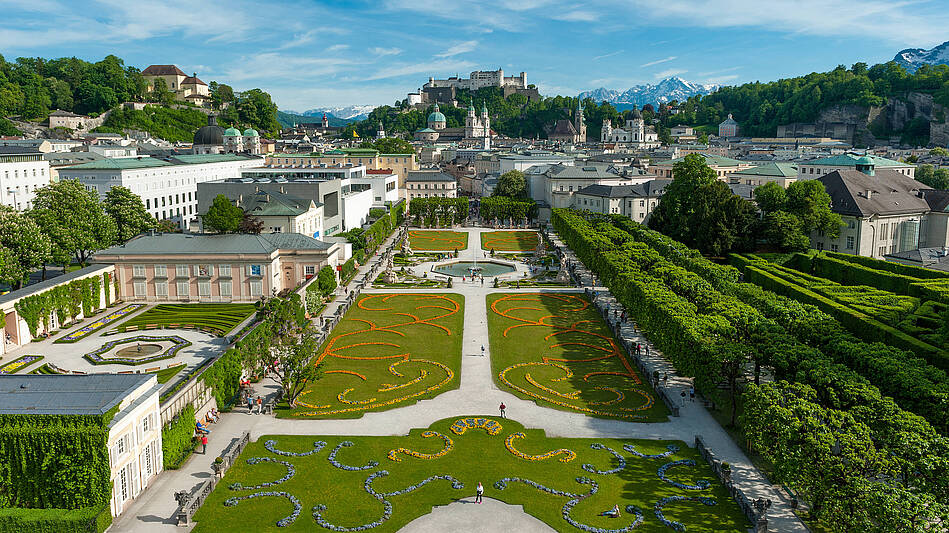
568	455
394	454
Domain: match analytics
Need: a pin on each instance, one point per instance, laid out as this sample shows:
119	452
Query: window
255	288
850	243
851	224
309	270
224	271
203	271
183	289
834	247
161	271
642	203
181	271
882	250
161	289
642	215
139	287
204	289
254	270
138	271
145	424
225	287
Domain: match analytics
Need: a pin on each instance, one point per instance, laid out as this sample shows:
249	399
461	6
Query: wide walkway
477	394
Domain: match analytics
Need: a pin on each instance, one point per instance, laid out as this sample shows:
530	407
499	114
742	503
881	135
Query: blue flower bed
254	460
699	485
671	447
387	505
619	458
283	522
95	357
272	446
337	464
678	526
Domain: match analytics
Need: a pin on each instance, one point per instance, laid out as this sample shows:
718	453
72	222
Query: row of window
183	289
16	173
424	186
201	271
177	200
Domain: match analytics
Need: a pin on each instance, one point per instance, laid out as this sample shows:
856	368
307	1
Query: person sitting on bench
199	428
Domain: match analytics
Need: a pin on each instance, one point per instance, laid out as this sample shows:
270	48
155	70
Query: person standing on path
683	397
692	394
501	408
250	404
204	443
479	492
260	405
482	350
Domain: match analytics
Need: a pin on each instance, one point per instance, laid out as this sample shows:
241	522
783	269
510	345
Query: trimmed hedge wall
896	268
177	439
85	520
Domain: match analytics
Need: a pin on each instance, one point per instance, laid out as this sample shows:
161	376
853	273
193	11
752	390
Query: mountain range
913	58
350	113
674	88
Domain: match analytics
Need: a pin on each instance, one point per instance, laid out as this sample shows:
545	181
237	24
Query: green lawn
553	348
509	241
218	319
390	350
164	375
437	240
472	457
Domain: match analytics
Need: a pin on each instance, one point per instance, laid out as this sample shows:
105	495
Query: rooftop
710	160
130	163
274	203
163	70
778	170
851	160
891	193
582	172
183	243
92	394
650	188
423	175
50	283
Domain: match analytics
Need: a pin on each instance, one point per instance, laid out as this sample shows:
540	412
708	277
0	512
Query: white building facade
22	171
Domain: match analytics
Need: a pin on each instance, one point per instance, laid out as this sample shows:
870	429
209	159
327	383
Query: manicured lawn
217	319
340	498
509	241
437	240
164	375
390	350
556	350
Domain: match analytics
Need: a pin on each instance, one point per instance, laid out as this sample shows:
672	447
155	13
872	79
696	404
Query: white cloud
431	68
577	16
669	72
604	56
337	48
380	51
658	61
460	48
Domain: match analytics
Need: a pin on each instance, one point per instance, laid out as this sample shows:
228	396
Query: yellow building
186	88
400	164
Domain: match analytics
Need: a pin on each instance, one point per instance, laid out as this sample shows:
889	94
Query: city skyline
333	53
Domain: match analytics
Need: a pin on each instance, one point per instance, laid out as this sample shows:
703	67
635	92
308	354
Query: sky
309	53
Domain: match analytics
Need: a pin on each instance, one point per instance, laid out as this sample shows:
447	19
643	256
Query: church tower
579	123
381	132
606	130
326	122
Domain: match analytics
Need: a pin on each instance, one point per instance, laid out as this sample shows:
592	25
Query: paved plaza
154	509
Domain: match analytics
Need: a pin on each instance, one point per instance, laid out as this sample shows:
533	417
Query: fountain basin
467	268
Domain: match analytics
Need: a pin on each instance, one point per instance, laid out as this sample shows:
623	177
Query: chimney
869	193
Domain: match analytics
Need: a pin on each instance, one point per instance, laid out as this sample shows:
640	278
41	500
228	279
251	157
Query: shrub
177	439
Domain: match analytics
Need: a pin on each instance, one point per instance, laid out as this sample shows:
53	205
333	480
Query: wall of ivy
66	301
177	440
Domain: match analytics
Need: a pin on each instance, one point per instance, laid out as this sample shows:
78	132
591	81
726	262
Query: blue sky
324	53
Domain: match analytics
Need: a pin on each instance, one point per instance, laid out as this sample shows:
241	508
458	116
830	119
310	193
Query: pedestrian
479	493
250	404
683	397
665	379
501	408
482	281
692	394
639	348
482	350
260	405
647	350
204	443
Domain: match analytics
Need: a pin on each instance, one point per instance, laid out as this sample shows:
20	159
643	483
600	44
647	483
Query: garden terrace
389	350
217	319
509	241
383	483
437	240
581	367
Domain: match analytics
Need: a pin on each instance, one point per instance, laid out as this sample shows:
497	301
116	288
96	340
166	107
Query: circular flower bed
96	357
272	446
619	459
678	526
464	424
254	460
699	485
568	455
337	464
283	522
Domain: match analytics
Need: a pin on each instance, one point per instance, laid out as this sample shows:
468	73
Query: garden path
477	394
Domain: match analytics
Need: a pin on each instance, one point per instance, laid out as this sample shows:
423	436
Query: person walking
501	408
482	350
260	405
250	404
204	444
692	394
683	397
479	492
639	348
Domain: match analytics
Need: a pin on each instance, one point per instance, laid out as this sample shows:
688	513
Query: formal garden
217	319
509	241
389	350
438	240
343	483
555	349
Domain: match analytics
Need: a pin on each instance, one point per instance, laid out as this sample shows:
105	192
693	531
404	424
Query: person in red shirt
204	443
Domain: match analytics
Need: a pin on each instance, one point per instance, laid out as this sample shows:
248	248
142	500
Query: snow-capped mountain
350	113
674	88
913	58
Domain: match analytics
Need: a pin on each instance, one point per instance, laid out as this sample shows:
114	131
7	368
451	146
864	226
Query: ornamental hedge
177	439
438	210
65	300
84	520
701	323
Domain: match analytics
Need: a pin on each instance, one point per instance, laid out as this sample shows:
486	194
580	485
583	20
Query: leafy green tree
390	145
326	280
809	201
223	216
160	93
168	226
935	178
939	151
128	212
511	184
73	219
221	94
23	246
784	230
770	197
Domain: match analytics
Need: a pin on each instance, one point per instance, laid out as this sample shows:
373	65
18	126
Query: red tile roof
163	70
192	80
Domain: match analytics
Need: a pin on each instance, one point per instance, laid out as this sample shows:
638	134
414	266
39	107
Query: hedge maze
217	319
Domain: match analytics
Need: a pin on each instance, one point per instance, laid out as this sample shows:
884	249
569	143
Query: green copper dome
251	132
232	132
864	161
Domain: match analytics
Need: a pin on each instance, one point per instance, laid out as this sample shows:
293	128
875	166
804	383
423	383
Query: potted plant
218	464
726	471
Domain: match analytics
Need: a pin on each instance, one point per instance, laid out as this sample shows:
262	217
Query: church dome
251	132
210	134
232	132
635	114
436	116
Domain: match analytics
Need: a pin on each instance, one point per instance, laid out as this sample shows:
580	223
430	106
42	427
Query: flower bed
672	448
88	329
283	522
95	357
678	526
254	460
394	454
271	445
568	455
463	424
701	484
619	459
19	364
337	464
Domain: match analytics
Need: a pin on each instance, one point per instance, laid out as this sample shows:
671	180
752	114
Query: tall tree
809	201
223	216
24	245
128	212
74	220
511	184
770	197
